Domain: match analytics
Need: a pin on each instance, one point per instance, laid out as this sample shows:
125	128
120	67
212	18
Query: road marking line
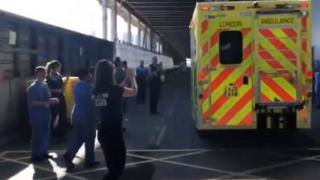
3	153
41	168
106	169
180	150
168	150
273	166
148	160
161	134
17	159
166	160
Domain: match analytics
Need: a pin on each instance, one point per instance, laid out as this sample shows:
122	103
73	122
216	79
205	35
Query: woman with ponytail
58	112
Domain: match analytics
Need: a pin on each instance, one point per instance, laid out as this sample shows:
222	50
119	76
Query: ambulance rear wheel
261	121
275	121
203	134
291	121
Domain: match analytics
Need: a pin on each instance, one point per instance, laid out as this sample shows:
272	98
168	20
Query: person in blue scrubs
39	115
84	122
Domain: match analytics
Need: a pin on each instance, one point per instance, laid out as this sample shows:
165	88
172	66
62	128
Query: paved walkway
167	147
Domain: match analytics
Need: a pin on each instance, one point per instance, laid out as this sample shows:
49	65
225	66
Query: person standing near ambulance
108	99
56	85
154	85
142	75
84	122
39	115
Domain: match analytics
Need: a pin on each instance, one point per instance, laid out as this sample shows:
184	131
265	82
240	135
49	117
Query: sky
84	16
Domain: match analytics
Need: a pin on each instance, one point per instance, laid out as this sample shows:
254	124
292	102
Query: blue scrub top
142	72
83	109
38	91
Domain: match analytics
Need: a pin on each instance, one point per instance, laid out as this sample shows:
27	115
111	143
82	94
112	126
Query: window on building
109	24
122	28
134	34
231	47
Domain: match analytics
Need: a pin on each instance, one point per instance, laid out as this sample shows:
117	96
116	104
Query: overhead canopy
169	18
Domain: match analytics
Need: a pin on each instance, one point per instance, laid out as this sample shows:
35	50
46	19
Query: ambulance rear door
230	91
277	57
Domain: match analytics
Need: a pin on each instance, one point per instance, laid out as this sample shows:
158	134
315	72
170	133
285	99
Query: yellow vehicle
251	64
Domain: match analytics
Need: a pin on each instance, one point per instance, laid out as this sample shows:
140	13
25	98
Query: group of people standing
154	77
101	97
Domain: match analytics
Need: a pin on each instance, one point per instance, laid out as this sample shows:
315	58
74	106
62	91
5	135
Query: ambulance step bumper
279	105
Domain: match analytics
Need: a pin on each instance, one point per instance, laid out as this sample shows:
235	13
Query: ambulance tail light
310	74
304	5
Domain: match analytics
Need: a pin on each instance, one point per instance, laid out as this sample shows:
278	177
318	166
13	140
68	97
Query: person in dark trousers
119	74
108	99
120	78
127	83
84	122
154	85
58	112
142	75
39	115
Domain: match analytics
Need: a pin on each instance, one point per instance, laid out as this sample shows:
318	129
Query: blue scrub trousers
40	137
83	133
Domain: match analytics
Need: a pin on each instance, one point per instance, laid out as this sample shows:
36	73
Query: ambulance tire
203	134
275	121
291	123
261	121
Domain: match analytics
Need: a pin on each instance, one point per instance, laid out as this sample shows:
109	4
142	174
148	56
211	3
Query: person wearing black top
142	74
108	99
155	85
55	84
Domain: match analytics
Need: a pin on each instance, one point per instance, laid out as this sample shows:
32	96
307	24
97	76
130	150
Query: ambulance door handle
245	80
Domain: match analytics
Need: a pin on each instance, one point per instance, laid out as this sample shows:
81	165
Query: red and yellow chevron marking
213	41
204	26
277	54
274	39
277	88
220	104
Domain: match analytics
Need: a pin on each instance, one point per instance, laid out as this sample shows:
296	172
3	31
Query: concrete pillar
129	28
145	37
151	41
139	34
114	30
105	19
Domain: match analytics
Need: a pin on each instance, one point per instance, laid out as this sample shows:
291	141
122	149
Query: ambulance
251	65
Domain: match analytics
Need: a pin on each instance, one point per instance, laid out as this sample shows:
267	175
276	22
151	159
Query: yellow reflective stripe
206	38
225	108
276	54
206	103
285	39
267	91
232	78
262	64
286	86
205	106
241	114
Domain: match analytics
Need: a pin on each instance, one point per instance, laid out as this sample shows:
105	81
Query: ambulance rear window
230	47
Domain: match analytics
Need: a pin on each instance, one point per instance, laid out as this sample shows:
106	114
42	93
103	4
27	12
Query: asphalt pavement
167	147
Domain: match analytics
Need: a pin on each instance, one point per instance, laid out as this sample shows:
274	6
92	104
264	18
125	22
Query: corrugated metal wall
25	44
